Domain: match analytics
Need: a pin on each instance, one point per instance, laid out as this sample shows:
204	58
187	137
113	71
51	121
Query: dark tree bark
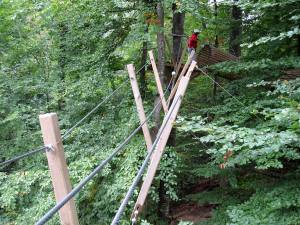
298	50
161	53
178	31
143	83
161	42
163	207
216	45
236	30
216	16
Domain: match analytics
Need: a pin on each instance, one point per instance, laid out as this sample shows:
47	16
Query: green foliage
270	27
263	68
66	56
276	138
281	206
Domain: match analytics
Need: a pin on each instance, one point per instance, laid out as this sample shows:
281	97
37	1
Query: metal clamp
134	218
49	148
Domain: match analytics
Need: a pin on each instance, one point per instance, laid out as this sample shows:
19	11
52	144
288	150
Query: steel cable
143	167
66	135
75	190
224	89
32	152
68	132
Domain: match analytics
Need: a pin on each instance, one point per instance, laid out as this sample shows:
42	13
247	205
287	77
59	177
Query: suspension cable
224	89
142	168
66	135
68	132
32	152
75	190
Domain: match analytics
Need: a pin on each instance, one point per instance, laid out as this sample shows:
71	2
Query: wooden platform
207	56
210	55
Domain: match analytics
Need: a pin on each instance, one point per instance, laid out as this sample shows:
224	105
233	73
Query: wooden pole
157	154
139	105
180	61
173	92
58	167
158	82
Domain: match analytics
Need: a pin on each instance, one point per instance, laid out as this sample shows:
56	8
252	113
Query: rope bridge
55	154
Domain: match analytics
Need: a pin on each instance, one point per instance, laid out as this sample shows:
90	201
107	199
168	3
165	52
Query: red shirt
192	42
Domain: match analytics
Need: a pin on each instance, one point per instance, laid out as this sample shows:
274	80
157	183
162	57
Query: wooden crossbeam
157	154
158	82
173	92
139	105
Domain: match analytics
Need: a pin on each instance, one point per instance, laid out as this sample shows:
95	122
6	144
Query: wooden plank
187	64
58	167
180	61
158	82
139	105
159	150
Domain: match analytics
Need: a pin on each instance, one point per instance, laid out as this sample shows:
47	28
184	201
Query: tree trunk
298	50
216	45
216	16
163	209
161	53
143	83
178	31
161	42
236	30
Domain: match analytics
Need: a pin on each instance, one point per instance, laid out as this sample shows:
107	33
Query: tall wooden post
58	167
185	68
139	105
158	82
159	150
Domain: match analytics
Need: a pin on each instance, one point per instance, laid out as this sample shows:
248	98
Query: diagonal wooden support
158	82
177	68
139	105
157	154
180	61
173	92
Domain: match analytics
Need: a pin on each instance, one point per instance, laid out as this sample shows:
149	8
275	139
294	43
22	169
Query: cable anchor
49	148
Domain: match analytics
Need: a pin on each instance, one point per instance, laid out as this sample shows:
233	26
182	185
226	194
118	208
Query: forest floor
192	211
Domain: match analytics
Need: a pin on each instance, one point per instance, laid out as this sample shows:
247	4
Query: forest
233	156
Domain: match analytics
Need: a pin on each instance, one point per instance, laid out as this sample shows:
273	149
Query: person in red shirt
192	42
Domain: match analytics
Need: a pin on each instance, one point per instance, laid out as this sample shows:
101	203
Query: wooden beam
158	82
180	61
139	105
173	92
58	167
159	150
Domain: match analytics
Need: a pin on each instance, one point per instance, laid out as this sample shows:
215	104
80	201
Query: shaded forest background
236	152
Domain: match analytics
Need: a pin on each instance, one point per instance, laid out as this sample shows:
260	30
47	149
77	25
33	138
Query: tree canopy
236	152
